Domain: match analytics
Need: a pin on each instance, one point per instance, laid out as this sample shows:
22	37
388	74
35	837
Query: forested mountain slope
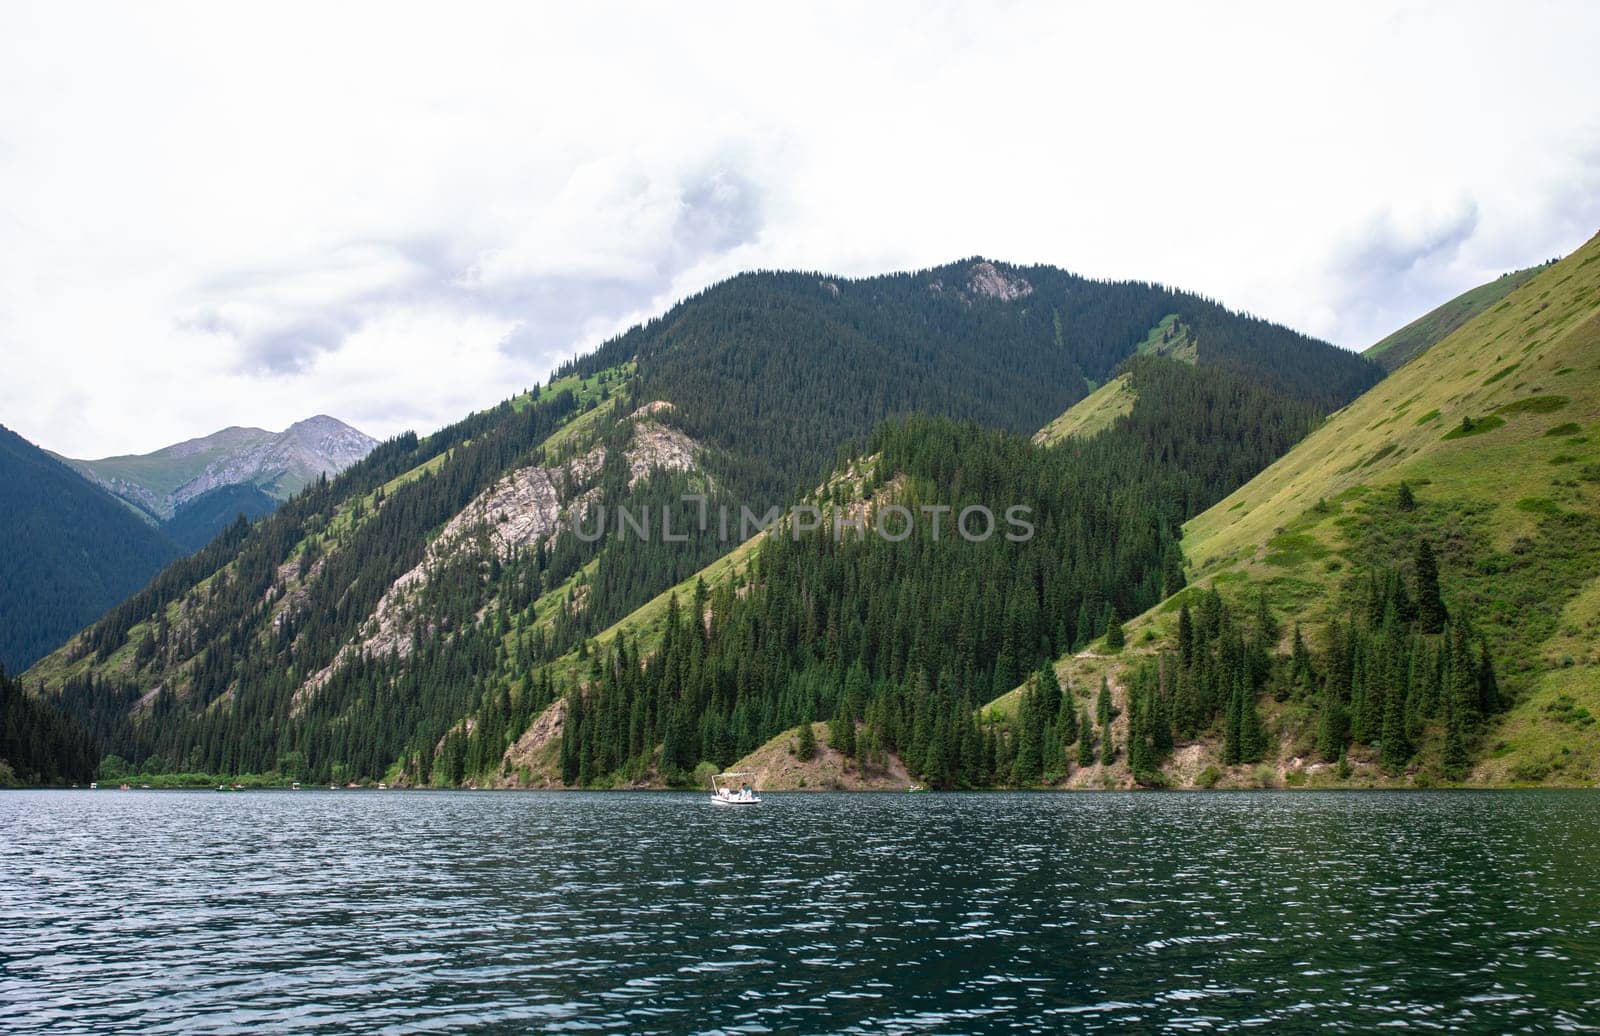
897	644
779	369
71	551
199	519
413	616
38	744
1437	543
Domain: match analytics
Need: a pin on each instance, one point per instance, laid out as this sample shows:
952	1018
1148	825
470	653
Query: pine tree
1454	762
1029	763
1085	739
1488	686
1266	625
842	730
806	743
1395	750
571	731
1161	743
1185	636
1067	720
1405	498
1049	691
1115	637
1463	686
1252	737
1172	575
1333	728
1232	744
1140	756
1431	615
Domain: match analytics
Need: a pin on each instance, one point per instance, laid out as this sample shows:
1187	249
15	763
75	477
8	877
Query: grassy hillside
164	471
1092	414
1172	337
1525	373
1417	337
777	766
1496	433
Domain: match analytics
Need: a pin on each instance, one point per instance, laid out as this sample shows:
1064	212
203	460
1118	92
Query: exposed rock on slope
774	767
532	760
524	510
987	279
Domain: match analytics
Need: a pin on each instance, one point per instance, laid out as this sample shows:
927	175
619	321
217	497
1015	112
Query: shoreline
669	790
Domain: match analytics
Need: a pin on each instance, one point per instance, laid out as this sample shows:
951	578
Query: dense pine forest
197	522
780	369
910	639
286	646
72	551
38	744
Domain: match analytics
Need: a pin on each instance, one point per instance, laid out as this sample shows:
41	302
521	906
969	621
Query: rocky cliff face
525	509
278	463
988	279
985	280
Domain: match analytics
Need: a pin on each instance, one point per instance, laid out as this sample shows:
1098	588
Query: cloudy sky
247	214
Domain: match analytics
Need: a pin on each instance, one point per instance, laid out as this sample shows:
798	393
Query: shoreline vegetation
248	782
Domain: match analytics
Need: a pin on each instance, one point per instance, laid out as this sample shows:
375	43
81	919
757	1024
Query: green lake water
416	911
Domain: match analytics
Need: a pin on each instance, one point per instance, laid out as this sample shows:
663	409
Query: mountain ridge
1400	347
72	551
776	379
160	483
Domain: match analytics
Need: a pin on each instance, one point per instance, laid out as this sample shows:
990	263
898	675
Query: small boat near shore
723	795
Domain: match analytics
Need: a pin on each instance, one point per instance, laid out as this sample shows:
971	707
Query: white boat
722	795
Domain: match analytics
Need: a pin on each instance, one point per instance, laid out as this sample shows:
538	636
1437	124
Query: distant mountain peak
277	463
320	422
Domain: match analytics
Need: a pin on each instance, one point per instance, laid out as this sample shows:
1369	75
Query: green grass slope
1417	337
1497	430
1092	414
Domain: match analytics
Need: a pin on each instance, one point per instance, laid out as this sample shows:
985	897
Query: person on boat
745	794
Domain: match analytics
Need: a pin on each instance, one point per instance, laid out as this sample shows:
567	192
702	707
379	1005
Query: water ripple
417	912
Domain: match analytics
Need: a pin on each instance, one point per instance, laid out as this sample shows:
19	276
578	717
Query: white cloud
215	214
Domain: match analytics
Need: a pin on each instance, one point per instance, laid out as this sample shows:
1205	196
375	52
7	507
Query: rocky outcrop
775	767
522	511
531	761
984	280
989	280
